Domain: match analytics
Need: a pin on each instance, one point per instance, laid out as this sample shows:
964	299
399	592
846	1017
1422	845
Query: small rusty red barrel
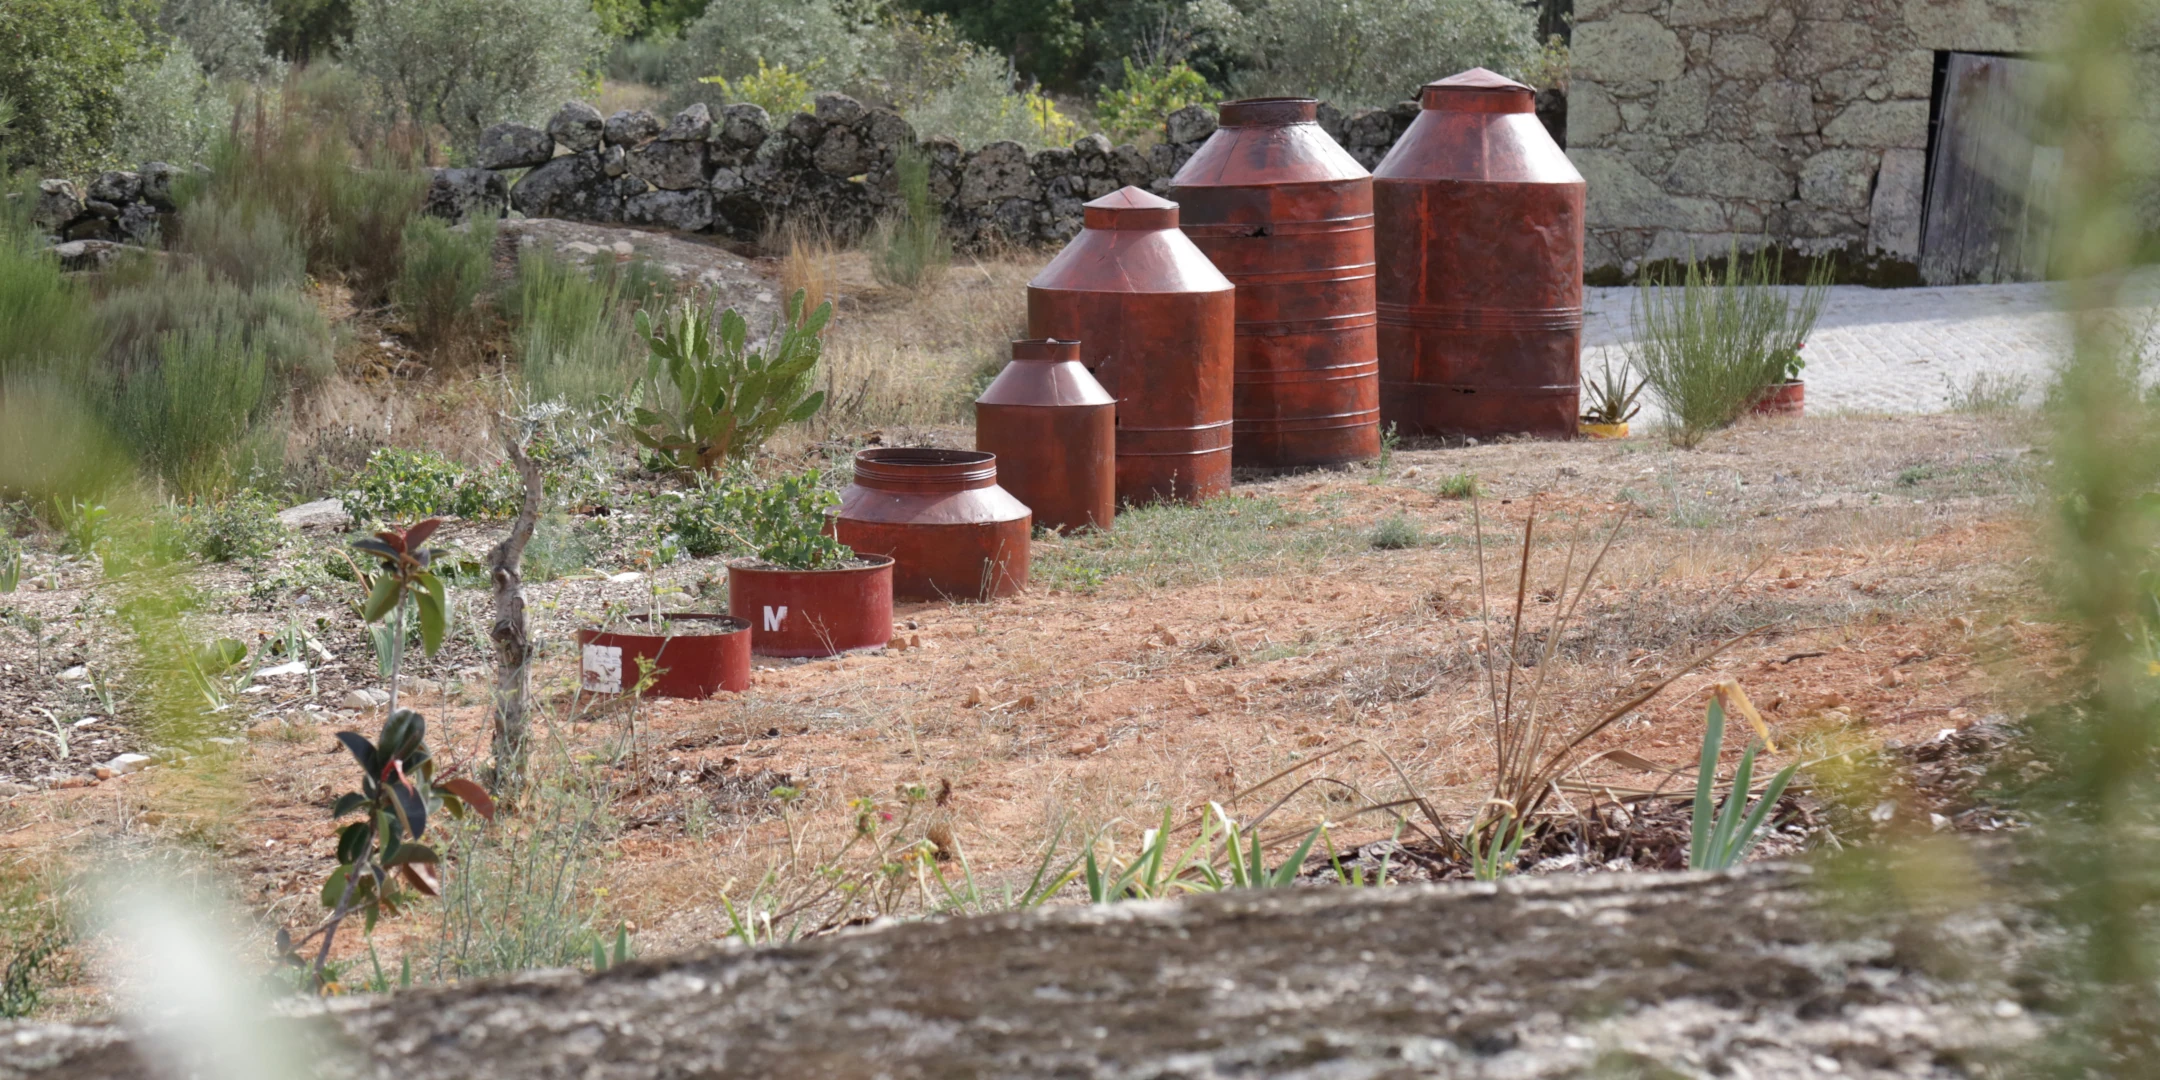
1287	215
1480	244
953	533
1155	321
813	612
1054	431
689	655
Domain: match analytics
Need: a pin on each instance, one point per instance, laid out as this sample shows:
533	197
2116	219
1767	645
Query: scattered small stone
320	514
296	667
74	673
363	700
124	764
9	789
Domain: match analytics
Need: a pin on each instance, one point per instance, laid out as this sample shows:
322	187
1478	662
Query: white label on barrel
774	616
603	669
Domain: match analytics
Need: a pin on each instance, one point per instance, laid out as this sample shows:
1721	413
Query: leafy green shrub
574	341
1710	346
246	243
785	521
911	249
173	113
445	272
702	523
190	405
466	64
1356	53
650	61
733	39
401	484
243	525
986	102
1136	110
294	337
225	35
777	90
64	63
707	398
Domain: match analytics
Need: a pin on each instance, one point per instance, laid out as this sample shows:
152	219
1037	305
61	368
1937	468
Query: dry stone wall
1801	123
738	171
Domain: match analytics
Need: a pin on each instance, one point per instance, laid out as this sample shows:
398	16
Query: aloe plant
708	397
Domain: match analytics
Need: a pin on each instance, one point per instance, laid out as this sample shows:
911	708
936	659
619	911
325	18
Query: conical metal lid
1130	208
1478	90
1045	372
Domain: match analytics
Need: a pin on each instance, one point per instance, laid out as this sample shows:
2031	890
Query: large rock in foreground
1610	975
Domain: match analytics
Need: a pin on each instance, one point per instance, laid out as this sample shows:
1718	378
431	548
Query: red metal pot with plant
676	654
1786	395
803	592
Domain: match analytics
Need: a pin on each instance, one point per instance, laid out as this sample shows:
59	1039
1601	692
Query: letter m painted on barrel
774	616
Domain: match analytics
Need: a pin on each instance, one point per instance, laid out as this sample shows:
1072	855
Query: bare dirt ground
1888	567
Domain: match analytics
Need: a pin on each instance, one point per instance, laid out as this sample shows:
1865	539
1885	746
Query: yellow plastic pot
1594	430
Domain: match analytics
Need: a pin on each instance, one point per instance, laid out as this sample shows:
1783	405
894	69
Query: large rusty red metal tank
1054	431
953	533
1287	215
1155	322
1480	244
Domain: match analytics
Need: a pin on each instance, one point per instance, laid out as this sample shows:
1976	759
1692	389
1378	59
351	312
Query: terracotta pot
953	533
1591	429
714	655
1783	399
813	612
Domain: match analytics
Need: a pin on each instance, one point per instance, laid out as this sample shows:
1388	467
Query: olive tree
1356	53
465	64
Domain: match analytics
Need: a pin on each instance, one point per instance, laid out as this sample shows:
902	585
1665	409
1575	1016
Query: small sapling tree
381	856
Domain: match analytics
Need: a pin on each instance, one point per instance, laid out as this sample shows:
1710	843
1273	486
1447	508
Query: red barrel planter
1783	399
953	533
682	665
813	612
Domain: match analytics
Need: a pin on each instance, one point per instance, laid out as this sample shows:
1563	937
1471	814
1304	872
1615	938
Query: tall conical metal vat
1480	245
1287	215
1154	319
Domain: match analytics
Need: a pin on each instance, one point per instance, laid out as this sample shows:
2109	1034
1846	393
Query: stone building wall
1802	123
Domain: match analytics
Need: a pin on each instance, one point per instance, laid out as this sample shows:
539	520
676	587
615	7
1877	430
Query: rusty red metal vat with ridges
1054	431
813	612
1287	215
1480	247
953	533
696	665
1155	321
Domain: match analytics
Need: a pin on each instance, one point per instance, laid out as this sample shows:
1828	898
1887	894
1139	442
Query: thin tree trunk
513	643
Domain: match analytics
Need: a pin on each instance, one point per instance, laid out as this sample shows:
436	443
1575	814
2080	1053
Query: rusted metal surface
696	665
813	612
953	533
1480	245
1054	431
1155	322
1287	215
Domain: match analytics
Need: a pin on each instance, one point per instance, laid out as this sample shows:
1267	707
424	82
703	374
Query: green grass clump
910	249
244	242
1173	544
572	326
44	322
444	275
243	525
1462	485
1396	533
293	335
192	407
